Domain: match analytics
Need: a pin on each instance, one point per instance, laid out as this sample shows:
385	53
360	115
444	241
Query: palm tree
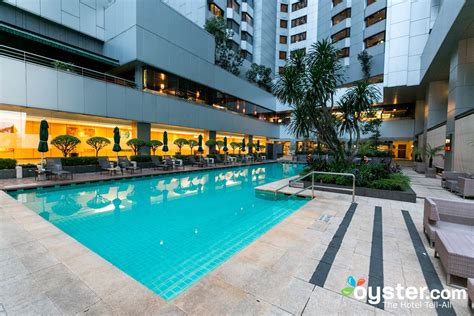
432	152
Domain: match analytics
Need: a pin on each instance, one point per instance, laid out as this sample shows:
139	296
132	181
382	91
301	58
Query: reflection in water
66	206
98	201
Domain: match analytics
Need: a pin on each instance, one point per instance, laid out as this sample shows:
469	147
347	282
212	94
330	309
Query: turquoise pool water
167	232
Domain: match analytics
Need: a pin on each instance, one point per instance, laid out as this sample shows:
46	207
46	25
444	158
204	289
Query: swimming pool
168	231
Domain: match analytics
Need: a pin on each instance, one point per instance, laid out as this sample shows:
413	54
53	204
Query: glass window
376	17
341	16
281	69
234	5
283	39
247	18
246	55
298	37
234	26
283	24
215	10
249	2
282	55
247	37
369	2
299	21
336	2
299	5
375	40
344	52
283	7
341	35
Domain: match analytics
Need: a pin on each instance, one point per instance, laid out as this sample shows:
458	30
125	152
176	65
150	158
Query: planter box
145	164
420	167
405	196
430	172
7	173
82	169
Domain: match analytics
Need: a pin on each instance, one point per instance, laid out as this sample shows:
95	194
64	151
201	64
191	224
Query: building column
250	140
142	131
460	112
212	135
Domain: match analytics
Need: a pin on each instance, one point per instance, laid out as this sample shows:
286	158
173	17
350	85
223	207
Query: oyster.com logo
352	284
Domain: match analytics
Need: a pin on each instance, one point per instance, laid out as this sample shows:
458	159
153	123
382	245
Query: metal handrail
312	173
66	67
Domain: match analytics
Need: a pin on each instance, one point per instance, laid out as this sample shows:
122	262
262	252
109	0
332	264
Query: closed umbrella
165	142
225	149
116	147
243	144
43	143
200	144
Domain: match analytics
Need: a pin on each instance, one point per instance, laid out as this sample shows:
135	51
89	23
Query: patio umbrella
165	142
243	144
200	144
116	141
225	149
43	143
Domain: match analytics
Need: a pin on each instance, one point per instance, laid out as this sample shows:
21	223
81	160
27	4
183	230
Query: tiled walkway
42	270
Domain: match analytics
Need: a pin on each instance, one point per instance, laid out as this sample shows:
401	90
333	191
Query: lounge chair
449	179
192	161
158	164
465	187
55	168
470	293
447	215
124	163
105	166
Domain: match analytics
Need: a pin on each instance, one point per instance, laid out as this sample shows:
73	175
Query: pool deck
292	269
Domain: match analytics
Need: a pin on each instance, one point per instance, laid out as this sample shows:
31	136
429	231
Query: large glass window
299	5
157	81
215	10
247	37
282	55
369	2
246	55
247	18
283	7
336	2
234	5
283	39
375	40
341	35
234	26
298	37
343	52
283	24
341	16
376	17
299	21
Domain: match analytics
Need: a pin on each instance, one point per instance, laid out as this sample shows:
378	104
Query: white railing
313	186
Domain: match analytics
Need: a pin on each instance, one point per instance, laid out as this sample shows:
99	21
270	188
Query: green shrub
143	158
79	161
184	157
65	143
394	182
7	163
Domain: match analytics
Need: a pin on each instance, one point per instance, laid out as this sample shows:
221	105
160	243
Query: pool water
169	231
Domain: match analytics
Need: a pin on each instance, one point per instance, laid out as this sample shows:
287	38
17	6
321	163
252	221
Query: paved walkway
298	267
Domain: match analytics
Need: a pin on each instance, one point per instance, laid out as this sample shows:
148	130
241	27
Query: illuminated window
215	10
281	69
369	2
341	35
283	24
234	5
299	5
282	55
299	21
298	37
283	39
283	7
247	18
338	18
376	17
375	40
336	2
344	52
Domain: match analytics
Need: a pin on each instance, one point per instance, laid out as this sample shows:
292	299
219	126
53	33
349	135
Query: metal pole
353	188
312	185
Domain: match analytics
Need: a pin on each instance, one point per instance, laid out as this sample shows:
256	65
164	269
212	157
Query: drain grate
325	218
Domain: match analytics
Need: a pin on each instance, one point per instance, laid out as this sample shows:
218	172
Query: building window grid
375	40
215	9
343	52
345	33
376	17
299	21
298	37
341	16
299	5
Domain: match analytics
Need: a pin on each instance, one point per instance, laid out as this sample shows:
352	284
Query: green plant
211	143
219	145
418	154
234	146
432	152
63	66
65	143
154	145
394	182
226	57
260	75
7	163
141	158
191	144
79	161
97	143
136	144
180	142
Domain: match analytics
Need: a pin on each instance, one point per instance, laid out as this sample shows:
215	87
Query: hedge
7	163
79	161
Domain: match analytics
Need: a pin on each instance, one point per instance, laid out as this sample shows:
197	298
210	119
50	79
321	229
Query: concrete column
461	87
212	135
250	140
142	131
139	77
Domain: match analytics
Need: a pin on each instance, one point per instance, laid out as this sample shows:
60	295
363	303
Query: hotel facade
148	66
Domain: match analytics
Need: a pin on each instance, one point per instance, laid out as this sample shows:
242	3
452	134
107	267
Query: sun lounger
124	163
55	168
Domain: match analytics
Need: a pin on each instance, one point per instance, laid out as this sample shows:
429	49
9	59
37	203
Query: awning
57	44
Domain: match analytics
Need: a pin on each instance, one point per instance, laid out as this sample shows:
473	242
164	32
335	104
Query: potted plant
432	152
418	157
